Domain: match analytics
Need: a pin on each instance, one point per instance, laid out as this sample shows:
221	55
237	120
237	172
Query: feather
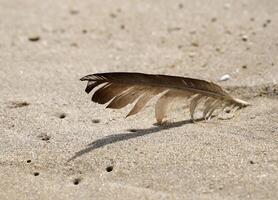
123	88
166	100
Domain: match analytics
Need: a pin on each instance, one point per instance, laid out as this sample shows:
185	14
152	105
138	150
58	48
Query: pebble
244	38
44	136
34	38
225	77
194	44
74	12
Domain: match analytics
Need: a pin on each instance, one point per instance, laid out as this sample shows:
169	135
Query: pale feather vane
123	88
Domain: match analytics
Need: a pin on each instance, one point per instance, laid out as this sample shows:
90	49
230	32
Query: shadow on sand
133	133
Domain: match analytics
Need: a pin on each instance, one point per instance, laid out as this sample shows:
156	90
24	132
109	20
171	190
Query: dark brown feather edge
124	88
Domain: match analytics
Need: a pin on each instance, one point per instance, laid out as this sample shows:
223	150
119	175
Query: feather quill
123	88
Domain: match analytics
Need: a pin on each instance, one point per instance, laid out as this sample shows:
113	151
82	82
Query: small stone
44	137
95	121
74	44
122	27
76	181
220	187
34	38
194	44
264	25
113	15
109	168
214	19
228	32
244	38
36	173
180	46
225	77
74	12
244	66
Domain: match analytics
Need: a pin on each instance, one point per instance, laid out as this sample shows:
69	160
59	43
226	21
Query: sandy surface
46	118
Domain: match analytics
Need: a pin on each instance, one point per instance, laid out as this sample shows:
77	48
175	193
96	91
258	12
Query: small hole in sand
36	173
62	115
109	168
74	44
214	19
44	136
34	38
28	161
227	111
122	26
132	130
113	15
95	121
251	162
76	181
73	12
180	6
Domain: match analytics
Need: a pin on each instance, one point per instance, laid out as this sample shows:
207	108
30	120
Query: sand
57	144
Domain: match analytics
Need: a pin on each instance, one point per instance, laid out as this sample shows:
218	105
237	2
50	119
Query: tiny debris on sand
73	11
18	104
225	77
244	38
44	136
34	38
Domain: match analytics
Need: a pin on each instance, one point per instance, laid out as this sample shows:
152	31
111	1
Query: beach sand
57	144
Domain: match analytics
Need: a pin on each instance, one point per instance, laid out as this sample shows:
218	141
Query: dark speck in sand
76	181
251	162
109	168
113	15
34	38
36	173
96	121
18	104
74	12
62	115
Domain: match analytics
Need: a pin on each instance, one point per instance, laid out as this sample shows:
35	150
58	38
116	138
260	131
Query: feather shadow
133	133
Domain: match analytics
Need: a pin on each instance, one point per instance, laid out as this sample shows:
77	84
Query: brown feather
143	100
123	88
